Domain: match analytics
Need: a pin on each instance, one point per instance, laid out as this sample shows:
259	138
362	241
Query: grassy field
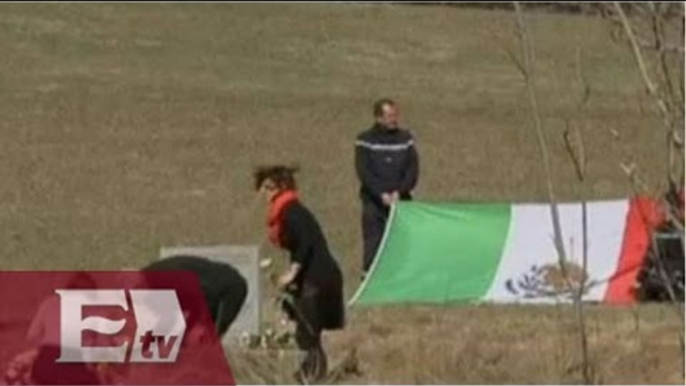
130	127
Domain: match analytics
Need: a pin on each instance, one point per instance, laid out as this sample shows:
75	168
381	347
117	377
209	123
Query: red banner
130	328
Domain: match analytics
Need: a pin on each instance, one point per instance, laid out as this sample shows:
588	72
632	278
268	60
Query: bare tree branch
579	160
516	62
650	86
577	156
672	117
530	78
681	68
666	47
529	74
657	24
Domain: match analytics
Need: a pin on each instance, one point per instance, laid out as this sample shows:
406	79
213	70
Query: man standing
388	168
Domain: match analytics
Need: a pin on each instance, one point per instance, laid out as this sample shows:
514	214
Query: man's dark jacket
386	160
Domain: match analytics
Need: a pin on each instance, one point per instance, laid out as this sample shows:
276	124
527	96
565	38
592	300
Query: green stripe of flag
435	253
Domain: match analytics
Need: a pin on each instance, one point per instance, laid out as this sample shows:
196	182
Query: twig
667	48
679	312
579	160
658	36
515	61
681	68
585	87
529	77
641	186
504	46
636	184
677	113
650	85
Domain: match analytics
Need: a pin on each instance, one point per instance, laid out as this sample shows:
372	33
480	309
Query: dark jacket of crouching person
224	288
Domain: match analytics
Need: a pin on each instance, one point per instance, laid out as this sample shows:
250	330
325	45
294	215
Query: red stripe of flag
643	217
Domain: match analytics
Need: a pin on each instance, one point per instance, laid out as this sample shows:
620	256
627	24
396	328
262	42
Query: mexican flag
476	252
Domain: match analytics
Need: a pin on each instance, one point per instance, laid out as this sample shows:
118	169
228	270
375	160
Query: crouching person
223	287
313	283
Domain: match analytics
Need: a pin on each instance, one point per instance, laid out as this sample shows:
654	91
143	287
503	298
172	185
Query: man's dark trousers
374	217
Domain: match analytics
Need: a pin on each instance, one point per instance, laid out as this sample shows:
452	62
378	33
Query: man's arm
412	172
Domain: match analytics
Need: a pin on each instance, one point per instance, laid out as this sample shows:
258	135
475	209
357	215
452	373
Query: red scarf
275	216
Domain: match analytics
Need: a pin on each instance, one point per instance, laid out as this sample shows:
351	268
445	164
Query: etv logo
160	326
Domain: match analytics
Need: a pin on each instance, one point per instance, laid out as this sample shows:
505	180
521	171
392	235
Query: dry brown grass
490	345
129	127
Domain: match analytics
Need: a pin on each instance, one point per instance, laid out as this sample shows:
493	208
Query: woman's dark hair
282	176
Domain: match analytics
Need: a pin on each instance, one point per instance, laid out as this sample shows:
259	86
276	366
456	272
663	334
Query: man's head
386	113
